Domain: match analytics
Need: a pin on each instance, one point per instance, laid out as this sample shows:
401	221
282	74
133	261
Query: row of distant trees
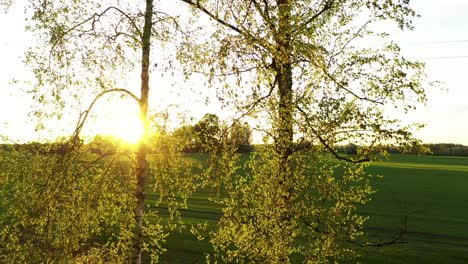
207	135
448	149
439	149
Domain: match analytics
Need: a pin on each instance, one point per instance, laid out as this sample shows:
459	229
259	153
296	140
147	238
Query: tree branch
83	118
223	74
259	100
213	16
342	86
171	18
326	145
97	15
265	15
218	19
328	5
396	240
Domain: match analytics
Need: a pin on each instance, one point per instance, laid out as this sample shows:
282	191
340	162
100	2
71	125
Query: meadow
431	191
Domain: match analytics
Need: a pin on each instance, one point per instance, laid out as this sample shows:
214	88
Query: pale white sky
440	39
446	113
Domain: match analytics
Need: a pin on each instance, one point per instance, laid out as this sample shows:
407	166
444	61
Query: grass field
432	191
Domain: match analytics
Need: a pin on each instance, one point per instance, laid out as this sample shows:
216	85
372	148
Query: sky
440	39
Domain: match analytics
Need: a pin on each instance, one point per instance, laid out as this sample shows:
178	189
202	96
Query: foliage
5	5
85	50
318	219
209	135
185	138
174	176
447	149
411	184
102	145
204	136
207	131
43	196
299	66
303	70
341	88
240	135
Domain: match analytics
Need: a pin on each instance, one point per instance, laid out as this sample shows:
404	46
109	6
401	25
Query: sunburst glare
125	125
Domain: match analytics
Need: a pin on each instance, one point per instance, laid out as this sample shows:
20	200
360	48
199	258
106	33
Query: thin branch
9	139
326	145
213	16
265	15
171	18
246	13
250	107
355	35
93	18
223	74
83	117
217	18
97	15
328	5
259	100
342	86
105	155
396	240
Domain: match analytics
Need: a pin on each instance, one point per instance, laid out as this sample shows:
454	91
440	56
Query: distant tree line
207	135
447	149
438	149
36	147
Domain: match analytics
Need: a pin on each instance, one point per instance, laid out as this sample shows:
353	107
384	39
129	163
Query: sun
118	118
129	128
125	126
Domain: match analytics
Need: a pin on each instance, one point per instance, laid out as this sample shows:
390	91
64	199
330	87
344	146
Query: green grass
433	191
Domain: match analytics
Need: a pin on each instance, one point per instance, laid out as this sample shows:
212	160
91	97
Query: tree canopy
306	69
302	69
86	50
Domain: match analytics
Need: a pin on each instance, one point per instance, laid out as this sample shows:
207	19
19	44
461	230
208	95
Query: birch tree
306	68
83	52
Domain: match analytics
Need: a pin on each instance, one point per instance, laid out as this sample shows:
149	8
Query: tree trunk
284	77
284	125
140	170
